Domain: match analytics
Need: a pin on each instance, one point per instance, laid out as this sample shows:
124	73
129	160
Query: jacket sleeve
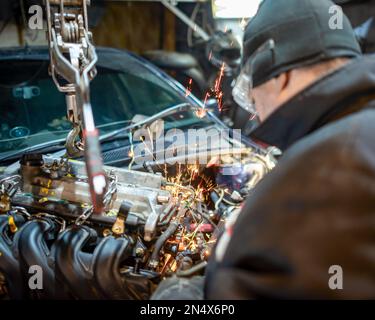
314	214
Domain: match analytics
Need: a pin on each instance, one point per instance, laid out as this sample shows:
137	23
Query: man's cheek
261	107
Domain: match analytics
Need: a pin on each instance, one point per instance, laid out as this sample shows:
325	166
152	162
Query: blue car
33	116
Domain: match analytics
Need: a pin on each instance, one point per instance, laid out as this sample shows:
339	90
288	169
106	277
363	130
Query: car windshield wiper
49	146
165	113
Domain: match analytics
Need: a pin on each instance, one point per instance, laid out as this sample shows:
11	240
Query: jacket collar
337	94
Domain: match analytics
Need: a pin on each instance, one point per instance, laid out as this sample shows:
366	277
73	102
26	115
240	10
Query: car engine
155	224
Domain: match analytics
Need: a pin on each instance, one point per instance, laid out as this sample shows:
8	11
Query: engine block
154	225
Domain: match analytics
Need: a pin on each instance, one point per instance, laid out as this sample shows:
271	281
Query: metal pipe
203	34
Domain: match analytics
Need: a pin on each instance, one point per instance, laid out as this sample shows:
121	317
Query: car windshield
34	111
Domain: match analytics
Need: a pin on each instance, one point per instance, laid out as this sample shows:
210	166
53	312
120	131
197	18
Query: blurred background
196	42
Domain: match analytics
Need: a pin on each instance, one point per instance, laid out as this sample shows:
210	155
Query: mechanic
307	231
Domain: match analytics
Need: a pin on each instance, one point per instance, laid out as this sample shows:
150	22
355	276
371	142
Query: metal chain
112	188
84	216
58	220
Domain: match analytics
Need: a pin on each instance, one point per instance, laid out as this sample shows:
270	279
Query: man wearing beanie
308	229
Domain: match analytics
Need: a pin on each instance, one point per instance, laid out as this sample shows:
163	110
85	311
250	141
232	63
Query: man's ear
284	81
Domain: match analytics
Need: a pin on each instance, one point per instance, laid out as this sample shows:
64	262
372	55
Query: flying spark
189	88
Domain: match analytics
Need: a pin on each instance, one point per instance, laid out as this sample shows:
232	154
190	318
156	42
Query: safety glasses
242	91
